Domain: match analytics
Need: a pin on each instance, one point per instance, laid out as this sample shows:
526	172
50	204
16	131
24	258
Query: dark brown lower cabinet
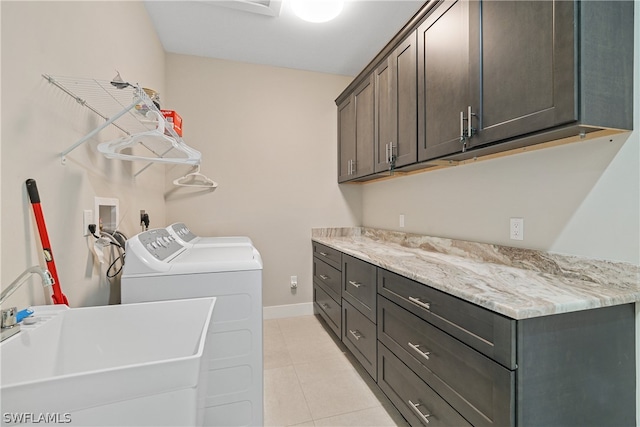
413	398
443	361
479	388
328	309
359	336
577	369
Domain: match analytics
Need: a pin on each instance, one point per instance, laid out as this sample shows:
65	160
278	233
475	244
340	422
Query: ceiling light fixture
317	10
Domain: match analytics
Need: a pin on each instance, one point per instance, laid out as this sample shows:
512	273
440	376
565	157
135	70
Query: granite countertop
518	283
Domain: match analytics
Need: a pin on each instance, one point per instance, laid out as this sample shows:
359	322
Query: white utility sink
131	364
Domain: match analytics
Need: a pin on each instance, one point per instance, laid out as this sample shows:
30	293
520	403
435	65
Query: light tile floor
310	380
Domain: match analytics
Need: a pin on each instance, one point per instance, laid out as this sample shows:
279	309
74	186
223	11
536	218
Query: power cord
116	240
144	220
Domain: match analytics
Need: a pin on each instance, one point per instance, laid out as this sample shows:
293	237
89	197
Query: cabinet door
416	401
523	77
329	309
364	125
359	285
346	139
443	82
406	94
359	336
396	107
385	111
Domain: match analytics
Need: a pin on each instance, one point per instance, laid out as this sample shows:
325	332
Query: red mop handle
58	297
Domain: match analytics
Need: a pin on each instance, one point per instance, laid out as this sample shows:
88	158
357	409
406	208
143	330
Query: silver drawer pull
324	277
423	417
424	354
356	334
323	254
325	306
356	284
420	303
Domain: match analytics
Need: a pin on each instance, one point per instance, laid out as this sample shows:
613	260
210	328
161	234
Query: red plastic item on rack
58	297
174	119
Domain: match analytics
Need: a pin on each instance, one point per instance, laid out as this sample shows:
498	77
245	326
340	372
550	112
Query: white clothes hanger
113	149
195	179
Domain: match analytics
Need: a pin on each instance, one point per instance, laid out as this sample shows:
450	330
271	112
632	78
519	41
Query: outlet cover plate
516	229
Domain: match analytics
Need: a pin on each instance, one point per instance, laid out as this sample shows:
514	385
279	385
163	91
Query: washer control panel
183	231
159	243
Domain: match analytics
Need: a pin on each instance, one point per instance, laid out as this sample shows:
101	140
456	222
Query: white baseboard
289	310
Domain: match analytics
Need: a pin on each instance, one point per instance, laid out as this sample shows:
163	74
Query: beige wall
579	199
268	137
79	39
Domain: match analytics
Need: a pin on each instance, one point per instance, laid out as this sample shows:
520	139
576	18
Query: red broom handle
58	297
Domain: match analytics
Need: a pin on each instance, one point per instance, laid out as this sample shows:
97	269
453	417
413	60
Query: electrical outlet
516	229
401	220
87	218
294	282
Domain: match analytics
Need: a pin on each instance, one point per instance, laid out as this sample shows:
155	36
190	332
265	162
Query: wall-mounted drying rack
132	111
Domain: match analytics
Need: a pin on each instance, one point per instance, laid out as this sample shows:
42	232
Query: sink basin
132	364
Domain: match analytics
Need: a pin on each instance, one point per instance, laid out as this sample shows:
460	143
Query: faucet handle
9	317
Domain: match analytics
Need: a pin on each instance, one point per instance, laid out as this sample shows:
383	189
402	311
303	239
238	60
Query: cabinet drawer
329	278
482	390
359	285
328	309
490	333
359	335
415	400
329	255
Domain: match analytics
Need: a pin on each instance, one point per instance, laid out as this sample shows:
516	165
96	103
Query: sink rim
49	313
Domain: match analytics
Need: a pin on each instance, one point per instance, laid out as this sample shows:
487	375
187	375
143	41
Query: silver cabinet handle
356	284
325	306
323	254
416	347
463	133
352	167
423	417
324	277
470	129
356	334
420	303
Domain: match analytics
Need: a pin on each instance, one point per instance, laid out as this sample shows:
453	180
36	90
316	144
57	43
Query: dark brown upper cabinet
443	85
521	72
492	77
396	107
356	132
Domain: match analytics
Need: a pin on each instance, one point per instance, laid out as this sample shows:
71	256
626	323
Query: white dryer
187	238
158	268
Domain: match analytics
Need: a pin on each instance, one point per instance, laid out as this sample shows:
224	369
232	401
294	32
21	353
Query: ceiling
229	30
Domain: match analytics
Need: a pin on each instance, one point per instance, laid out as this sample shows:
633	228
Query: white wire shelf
126	110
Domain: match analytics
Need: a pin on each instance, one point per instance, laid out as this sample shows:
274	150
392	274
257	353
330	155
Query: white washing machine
158	267
186	237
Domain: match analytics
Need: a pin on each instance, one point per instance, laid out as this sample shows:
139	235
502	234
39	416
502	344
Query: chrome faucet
8	324
47	280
